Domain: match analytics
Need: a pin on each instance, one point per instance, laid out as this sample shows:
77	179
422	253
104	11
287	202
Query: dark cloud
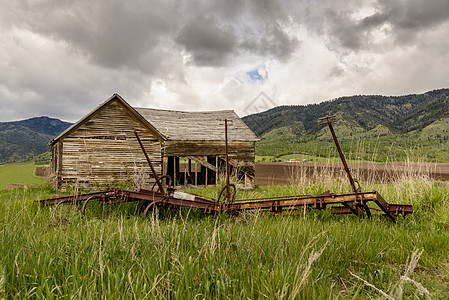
207	42
113	34
409	19
343	29
227	10
405	21
373	21
132	34
271	42
267	10
117	34
267	36
235	27
336	71
415	14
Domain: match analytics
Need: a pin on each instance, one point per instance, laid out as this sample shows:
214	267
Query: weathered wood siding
105	149
53	168
238	150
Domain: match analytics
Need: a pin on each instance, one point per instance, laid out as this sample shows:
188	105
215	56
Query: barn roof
179	125
204	125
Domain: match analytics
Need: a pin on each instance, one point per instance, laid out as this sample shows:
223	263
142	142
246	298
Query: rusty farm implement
355	202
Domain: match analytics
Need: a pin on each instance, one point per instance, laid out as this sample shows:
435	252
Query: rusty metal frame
338	203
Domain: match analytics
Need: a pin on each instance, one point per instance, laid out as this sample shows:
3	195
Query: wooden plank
202	160
216	170
239	150
97	152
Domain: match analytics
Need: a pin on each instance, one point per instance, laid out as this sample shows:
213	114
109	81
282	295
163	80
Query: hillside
369	127
24	139
376	127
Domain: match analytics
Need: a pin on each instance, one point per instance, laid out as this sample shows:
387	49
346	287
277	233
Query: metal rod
342	157
228	195
156	177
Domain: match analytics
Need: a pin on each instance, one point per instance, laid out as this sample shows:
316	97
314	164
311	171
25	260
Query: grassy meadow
50	253
429	144
19	174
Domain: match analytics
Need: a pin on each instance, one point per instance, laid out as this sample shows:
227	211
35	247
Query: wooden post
206	172
185	173
176	167
228	195
59	175
216	168
196	174
189	171
165	167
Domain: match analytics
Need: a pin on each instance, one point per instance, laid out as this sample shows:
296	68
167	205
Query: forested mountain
398	113
416	120
23	139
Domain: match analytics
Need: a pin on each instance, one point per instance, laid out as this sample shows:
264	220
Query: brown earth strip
288	173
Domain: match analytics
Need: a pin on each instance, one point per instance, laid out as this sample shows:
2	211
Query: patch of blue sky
256	77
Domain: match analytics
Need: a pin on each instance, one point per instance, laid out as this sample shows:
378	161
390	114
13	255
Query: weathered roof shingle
206	125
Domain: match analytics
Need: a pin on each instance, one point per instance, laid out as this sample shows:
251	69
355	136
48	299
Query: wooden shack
101	149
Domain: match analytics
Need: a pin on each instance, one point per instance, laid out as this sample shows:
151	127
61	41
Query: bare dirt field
288	173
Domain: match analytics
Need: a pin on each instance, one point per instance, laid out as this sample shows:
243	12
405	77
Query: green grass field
379	145
49	252
19	174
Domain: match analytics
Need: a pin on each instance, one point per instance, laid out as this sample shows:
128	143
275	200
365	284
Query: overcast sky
62	58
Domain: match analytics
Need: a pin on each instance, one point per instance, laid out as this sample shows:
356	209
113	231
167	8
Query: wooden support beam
196	174
176	168
216	168
203	161
185	172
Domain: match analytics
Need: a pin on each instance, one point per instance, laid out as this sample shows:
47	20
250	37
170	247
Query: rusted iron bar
355	209
155	176
77	199
342	157
301	201
393	210
228	194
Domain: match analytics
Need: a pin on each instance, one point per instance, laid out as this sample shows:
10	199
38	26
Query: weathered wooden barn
102	149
